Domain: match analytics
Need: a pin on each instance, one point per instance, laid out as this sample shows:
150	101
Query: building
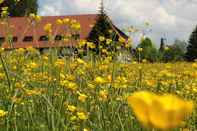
26	35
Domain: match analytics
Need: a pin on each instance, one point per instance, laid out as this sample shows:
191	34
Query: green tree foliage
173	52
191	53
103	27
182	45
149	51
21	8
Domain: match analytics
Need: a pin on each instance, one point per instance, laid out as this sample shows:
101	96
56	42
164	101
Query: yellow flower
38	18
3	113
1	50
163	112
144	61
33	92
33	65
91	45
48	28
81	62
1	1
72	86
140	49
101	38
103	95
108	41
76	26
71	108
35	17
122	40
59	22
60	63
66	20
82	116
99	80
82	97
194	65
85	129
73	118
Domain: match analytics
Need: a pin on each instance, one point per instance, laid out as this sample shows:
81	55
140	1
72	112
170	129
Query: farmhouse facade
25	35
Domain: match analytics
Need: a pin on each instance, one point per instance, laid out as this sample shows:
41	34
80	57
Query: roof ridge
60	15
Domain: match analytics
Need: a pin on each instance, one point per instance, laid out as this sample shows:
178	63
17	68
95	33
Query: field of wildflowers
44	92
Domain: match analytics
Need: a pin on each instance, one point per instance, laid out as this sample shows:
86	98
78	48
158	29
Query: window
14	39
28	39
44	38
75	36
2	39
58	37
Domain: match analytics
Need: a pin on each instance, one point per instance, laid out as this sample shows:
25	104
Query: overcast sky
169	18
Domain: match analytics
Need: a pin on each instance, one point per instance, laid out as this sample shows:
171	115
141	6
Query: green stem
6	71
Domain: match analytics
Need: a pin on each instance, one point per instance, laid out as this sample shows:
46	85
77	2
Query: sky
171	19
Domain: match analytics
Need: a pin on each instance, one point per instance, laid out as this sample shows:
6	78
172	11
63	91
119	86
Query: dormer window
58	37
28	39
14	39
75	36
2	39
44	38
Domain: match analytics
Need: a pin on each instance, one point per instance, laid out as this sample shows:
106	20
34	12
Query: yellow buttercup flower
162	112
3	113
1	1
48	28
122	40
71	108
103	95
1	50
82	116
108	41
59	22
140	49
99	80
101	38
82	97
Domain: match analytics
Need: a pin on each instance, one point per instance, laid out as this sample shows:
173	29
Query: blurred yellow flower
1	50
59	22
66	20
3	113
82	116
71	108
122	40
1	1
108	41
99	80
82	97
103	95
101	38
48	28
140	49
162	112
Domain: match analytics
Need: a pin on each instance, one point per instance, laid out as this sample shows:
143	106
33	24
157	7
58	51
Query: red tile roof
20	27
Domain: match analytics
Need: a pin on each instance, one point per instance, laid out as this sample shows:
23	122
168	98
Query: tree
149	52
103	27
174	52
162	45
191	53
182	45
20	8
